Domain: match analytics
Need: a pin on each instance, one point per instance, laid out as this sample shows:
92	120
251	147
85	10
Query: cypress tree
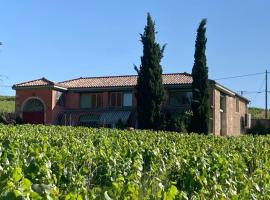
149	89
200	86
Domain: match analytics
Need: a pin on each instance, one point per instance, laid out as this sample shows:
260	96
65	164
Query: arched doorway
33	111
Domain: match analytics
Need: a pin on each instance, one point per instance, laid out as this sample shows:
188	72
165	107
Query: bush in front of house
120	124
7	118
178	122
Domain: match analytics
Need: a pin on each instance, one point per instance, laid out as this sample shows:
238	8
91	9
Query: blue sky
66	39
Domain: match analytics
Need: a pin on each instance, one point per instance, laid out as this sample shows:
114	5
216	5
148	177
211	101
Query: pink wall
45	95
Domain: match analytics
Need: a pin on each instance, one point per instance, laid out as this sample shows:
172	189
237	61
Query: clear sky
65	39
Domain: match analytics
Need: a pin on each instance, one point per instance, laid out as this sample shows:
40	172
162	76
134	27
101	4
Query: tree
149	89
200	86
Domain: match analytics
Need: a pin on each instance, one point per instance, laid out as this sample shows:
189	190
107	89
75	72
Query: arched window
33	112
33	105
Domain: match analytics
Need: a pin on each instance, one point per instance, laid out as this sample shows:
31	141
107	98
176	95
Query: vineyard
48	162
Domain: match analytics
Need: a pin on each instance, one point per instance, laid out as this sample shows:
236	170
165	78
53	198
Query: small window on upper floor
127	99
236	104
222	102
93	100
97	100
116	99
85	101
59	98
179	98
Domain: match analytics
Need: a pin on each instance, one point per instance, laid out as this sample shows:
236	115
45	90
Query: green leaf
25	184
172	192
17	174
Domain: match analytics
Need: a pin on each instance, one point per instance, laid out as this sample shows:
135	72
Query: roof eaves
100	88
14	87
228	91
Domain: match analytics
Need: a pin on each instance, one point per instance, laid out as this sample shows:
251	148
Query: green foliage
7	104
7	98
200	86
119	124
257	113
179	121
150	90
47	162
7	118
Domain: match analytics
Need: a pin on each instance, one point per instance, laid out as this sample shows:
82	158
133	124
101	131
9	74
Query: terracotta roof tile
122	81
108	81
38	82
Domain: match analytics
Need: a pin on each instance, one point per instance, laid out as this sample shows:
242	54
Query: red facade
102	101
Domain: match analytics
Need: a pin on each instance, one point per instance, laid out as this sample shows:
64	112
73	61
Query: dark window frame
96	100
123	98
222	96
117	97
237	105
183	102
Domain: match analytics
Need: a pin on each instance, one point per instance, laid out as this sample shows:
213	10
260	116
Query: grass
7	104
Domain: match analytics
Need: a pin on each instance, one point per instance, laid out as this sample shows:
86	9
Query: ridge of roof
40	79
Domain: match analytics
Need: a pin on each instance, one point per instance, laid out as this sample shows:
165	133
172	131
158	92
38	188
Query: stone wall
234	120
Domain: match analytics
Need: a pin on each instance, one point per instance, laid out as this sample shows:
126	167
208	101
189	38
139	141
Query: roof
123	81
106	81
114	81
42	82
38	82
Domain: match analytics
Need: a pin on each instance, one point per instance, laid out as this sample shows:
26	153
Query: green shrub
179	121
119	124
7	118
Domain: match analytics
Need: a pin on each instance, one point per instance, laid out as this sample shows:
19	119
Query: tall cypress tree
200	86
149	89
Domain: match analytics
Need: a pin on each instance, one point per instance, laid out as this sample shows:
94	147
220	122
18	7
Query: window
33	105
59	98
116	99
91	100
97	100
237	105
85	101
222	102
178	98
127	99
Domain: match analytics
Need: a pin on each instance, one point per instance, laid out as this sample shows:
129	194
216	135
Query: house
102	101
